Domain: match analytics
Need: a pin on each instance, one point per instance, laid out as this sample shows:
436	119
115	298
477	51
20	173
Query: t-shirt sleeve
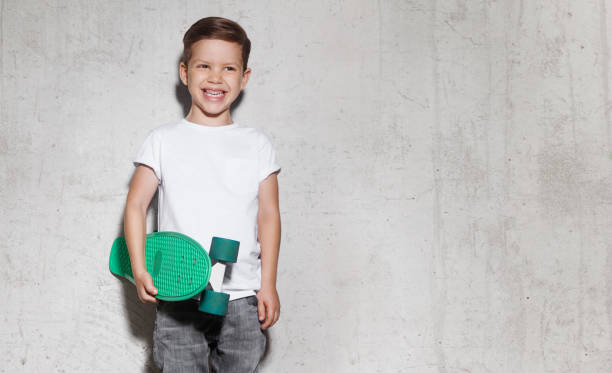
267	159
150	155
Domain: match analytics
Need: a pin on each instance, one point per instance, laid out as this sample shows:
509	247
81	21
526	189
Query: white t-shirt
208	186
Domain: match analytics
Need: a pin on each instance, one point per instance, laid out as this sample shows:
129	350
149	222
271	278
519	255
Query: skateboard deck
179	266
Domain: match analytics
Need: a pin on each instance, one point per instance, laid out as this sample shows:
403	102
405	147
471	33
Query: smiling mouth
214	92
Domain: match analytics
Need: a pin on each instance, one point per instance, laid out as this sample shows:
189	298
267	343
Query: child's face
214	78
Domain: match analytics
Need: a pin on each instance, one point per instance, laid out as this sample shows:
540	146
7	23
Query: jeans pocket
252	301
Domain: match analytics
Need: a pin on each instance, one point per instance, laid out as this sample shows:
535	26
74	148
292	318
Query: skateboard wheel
214	302
224	250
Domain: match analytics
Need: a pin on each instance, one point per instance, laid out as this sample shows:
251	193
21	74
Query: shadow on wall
141	317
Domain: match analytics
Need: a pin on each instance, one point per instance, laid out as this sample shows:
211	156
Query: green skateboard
180	267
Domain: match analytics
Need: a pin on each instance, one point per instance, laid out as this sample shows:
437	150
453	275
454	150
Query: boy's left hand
268	307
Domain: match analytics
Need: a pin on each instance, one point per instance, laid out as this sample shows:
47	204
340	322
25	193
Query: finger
276	317
261	310
146	291
272	321
270	314
148	284
269	318
151	289
145	297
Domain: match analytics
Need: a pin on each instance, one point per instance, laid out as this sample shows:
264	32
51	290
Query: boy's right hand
144	287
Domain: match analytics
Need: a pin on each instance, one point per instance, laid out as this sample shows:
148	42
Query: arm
142	189
269	231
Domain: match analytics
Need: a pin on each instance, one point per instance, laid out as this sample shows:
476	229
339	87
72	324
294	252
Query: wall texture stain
446	184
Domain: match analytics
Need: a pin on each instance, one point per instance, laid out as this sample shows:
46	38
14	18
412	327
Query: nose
214	76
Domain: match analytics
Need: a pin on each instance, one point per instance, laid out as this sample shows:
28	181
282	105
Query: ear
245	78
183	72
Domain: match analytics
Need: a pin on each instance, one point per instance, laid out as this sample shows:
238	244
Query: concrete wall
446	184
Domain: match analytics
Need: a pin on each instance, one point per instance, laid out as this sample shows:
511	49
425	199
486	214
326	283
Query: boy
215	178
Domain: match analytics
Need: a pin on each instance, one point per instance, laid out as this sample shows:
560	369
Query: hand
144	287
268	307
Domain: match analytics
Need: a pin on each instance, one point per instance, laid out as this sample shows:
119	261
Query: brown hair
216	28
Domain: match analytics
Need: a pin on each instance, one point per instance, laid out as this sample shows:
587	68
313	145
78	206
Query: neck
195	116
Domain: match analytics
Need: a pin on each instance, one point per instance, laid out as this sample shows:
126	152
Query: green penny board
179	266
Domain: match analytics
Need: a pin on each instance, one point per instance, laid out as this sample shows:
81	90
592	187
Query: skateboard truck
181	269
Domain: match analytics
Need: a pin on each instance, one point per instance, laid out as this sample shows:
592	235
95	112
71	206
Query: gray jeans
186	340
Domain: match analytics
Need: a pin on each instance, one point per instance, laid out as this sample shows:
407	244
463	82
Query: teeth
214	93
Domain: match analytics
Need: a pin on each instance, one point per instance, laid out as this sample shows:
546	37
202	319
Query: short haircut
216	28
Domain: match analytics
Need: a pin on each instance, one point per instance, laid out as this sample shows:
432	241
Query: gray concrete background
446	184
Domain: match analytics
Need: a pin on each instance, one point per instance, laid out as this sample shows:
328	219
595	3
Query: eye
202	66
230	68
